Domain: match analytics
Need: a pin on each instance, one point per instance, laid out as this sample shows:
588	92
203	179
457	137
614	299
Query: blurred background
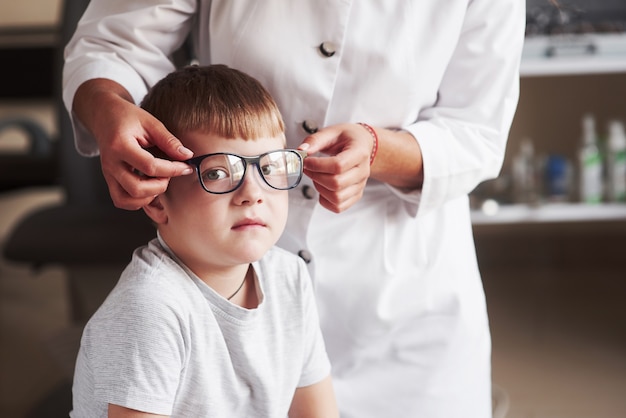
550	231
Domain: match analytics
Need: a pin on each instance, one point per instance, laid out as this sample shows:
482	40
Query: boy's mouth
249	222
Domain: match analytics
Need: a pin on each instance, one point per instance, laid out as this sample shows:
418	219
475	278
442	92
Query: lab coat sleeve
463	135
127	41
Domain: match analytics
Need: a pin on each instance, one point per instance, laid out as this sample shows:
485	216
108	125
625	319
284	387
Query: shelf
572	66
29	37
574	55
553	212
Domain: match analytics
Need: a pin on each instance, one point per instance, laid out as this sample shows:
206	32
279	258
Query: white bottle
524	174
590	164
616	162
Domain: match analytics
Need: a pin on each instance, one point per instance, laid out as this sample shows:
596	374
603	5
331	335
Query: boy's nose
251	189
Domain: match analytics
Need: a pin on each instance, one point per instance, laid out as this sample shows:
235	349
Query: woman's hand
123	132
341	174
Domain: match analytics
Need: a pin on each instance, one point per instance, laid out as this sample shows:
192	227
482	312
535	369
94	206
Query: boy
210	319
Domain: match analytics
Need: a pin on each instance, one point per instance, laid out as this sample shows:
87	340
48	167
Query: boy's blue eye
214	174
268	169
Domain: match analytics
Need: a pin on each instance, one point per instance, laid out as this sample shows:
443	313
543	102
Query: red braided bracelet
375	146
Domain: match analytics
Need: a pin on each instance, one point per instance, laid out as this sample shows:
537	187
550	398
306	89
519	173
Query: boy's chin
253	253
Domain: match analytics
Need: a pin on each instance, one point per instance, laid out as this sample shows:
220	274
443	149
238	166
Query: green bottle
616	162
590	176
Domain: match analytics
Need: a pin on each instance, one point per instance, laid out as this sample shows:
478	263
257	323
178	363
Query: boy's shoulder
277	256
283	271
151	287
153	273
153	254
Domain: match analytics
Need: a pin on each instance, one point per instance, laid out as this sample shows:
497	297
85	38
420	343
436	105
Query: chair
37	167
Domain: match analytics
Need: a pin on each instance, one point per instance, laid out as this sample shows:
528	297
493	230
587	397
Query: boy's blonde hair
214	99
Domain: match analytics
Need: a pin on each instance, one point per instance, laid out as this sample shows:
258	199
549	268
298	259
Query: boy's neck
236	283
246	295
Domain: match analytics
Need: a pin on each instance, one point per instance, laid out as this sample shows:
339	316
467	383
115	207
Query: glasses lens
281	169
221	173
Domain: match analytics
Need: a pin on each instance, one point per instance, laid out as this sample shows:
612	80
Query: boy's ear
156	211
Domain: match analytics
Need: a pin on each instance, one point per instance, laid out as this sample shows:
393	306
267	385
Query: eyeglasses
223	172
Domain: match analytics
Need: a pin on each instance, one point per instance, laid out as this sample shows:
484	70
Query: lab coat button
308	192
305	255
327	49
309	126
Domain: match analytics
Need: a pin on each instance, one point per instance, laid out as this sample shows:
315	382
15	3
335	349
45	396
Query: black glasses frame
254	160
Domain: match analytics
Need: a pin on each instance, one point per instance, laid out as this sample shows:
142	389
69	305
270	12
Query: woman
383	217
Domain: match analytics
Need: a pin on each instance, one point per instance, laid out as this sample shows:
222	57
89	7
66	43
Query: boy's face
214	231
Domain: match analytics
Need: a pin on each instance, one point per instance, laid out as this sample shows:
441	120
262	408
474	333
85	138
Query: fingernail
187	171
185	151
304	146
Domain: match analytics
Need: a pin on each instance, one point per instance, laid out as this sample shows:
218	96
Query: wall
29	13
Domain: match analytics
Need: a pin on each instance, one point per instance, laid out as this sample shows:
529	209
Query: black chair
38	166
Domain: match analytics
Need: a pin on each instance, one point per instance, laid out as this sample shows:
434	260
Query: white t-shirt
164	342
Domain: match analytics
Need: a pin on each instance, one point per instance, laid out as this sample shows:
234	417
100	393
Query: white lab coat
399	291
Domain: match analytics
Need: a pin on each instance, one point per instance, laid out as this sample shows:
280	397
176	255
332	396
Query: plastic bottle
557	178
524	174
616	162
590	159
